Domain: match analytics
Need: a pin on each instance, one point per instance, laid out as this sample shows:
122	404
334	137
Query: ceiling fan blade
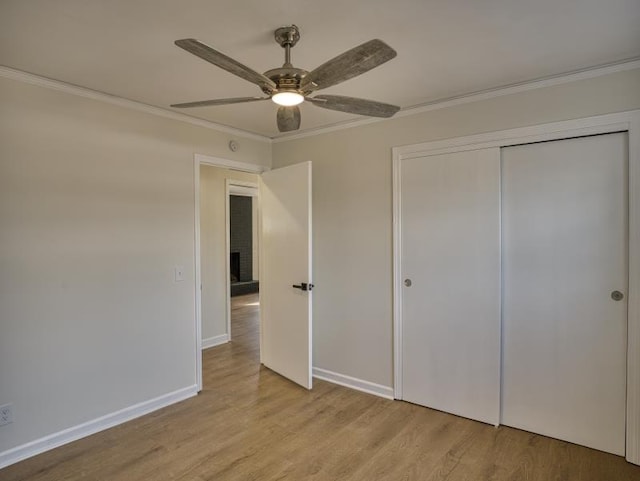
288	118
349	64
209	103
227	63
354	105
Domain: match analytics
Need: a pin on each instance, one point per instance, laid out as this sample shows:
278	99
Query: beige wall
96	209
352	207
213	249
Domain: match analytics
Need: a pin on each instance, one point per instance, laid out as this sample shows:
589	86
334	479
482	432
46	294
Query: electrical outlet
6	416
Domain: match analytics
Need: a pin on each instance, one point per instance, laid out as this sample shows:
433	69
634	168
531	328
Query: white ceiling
445	48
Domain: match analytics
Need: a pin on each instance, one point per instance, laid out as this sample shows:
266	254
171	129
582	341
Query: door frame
198	160
618	122
245	189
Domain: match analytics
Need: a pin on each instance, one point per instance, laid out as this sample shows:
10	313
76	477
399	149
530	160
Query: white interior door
450	256
285	201
565	252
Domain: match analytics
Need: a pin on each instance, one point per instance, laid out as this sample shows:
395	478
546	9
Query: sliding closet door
450	265
565	285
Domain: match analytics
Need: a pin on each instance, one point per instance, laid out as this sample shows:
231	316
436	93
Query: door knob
303	286
407	282
617	295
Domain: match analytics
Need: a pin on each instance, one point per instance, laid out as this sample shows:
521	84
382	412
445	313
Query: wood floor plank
251	424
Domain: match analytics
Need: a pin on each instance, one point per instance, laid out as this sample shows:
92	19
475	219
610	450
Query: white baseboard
88	428
214	341
353	383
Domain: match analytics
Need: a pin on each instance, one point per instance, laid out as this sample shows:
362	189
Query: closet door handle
617	295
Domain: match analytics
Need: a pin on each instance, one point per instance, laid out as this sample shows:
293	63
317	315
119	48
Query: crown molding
33	79
587	73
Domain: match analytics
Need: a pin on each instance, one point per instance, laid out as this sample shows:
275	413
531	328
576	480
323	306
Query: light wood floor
251	424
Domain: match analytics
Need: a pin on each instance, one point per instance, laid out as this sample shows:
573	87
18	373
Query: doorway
242	241
284	221
225	246
212	178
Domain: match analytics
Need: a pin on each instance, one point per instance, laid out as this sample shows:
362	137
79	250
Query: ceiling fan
289	86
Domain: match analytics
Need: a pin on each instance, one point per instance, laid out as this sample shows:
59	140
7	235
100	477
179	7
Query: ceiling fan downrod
287	78
287	37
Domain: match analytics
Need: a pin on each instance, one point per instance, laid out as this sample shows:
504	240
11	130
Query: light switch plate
179	273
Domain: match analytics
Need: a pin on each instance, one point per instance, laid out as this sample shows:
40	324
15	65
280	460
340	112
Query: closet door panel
565	252
450	256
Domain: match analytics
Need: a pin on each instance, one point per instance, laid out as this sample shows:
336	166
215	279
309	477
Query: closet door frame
619	122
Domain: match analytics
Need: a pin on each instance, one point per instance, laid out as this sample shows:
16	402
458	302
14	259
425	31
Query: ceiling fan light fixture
287	99
289	86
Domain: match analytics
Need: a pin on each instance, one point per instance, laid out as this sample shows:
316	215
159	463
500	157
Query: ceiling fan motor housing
286	78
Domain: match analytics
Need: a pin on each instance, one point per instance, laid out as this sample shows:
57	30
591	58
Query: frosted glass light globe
287	99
